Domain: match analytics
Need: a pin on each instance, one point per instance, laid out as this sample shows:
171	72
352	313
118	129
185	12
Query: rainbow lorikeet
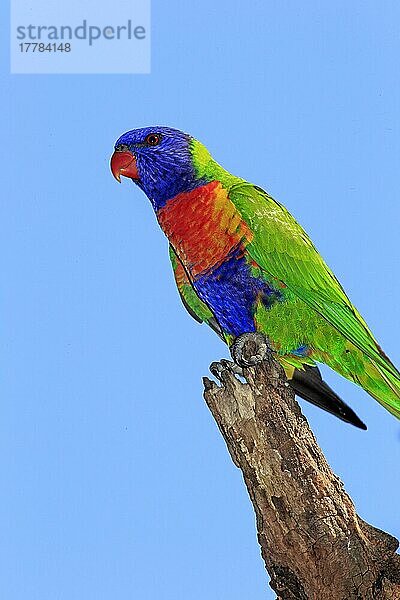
243	264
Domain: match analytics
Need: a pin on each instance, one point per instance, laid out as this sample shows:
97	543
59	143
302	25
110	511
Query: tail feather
381	385
309	385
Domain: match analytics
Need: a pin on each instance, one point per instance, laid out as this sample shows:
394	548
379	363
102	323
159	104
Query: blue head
159	160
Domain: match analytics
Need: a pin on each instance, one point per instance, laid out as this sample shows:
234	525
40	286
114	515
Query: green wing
190	300
284	251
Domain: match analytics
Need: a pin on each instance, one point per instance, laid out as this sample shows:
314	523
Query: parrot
243	265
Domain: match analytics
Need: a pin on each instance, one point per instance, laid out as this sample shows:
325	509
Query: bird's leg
249	349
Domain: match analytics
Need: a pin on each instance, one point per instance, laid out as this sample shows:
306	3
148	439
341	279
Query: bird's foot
249	349
220	367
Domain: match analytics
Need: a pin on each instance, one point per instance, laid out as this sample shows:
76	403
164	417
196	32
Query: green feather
284	251
317	311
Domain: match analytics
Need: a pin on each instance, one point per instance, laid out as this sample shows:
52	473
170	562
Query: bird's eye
153	139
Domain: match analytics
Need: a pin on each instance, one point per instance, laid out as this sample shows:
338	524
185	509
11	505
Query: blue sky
115	480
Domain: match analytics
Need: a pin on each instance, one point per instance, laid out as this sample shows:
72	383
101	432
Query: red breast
203	226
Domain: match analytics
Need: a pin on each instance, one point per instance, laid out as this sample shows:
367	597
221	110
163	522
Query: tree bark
314	545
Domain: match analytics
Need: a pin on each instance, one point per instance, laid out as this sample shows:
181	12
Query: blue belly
232	293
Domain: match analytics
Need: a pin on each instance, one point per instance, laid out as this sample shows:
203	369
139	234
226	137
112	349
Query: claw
249	349
219	368
231	366
216	369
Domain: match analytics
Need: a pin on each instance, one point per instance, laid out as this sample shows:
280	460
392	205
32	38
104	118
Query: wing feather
284	251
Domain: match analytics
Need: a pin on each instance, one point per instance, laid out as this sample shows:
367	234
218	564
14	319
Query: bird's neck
188	173
206	169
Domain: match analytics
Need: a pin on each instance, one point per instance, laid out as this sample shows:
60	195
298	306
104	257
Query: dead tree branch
314	545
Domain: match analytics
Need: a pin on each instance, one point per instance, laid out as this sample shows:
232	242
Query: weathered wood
314	545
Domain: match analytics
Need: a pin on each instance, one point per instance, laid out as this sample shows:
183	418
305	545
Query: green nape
207	168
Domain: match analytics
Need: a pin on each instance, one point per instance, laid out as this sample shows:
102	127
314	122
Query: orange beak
123	163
